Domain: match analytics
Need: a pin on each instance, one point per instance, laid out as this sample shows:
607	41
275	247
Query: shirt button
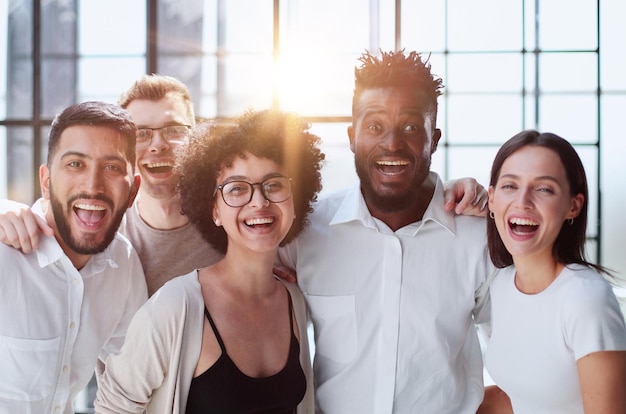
57	409
75	282
65	368
72	325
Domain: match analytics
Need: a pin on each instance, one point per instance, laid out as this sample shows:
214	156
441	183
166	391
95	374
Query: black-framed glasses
173	134
239	193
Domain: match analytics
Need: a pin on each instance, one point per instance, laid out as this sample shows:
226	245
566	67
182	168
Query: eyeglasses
173	134
239	193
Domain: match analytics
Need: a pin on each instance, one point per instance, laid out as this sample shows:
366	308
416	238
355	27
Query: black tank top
223	388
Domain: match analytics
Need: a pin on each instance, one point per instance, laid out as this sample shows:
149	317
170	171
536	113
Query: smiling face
155	161
531	201
393	138
90	184
258	226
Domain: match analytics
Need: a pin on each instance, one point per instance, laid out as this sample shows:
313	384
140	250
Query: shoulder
178	293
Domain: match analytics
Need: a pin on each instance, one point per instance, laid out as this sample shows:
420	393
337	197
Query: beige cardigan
154	369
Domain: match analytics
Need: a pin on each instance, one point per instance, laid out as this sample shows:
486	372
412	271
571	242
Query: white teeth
523	222
255	221
159	164
90	207
392	163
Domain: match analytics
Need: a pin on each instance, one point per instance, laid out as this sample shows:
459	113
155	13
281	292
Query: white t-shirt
536	339
56	321
392	311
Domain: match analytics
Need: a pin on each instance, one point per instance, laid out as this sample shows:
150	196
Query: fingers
285	273
22	229
466	196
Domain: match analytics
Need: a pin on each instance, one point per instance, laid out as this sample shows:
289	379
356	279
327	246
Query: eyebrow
540	178
83	155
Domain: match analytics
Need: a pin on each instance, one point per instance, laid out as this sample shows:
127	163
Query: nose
524	198
392	141
158	143
258	198
95	181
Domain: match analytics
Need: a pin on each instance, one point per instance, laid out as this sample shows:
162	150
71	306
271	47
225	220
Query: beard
390	198
88	244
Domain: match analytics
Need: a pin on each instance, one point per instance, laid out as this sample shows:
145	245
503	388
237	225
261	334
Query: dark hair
154	87
569	246
280	137
94	113
396	69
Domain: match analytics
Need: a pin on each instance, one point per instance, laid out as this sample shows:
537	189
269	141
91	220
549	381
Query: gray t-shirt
165	254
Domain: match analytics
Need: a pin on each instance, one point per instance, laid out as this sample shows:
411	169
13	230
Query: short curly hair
396	69
281	137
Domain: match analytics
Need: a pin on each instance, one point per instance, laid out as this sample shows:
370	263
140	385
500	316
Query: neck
161	213
534	275
250	274
410	211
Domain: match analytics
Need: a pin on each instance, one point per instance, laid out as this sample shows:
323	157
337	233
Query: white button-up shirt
393	311
56	321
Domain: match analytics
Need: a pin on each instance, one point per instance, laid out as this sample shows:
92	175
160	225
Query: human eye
74	164
143	134
113	168
236	188
273	185
176	131
410	128
507	185
545	189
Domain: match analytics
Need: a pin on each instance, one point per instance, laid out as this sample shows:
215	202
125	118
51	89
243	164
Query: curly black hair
396	69
278	136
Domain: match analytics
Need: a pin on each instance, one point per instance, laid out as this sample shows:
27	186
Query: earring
217	222
570	221
491	214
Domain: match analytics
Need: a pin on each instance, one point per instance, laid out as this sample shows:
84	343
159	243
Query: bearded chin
388	198
88	244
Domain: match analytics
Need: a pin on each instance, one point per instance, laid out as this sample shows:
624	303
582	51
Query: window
507	66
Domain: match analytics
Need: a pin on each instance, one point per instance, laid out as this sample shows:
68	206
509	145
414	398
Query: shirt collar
353	208
50	252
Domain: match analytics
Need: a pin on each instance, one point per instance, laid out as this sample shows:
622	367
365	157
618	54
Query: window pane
105	79
589	155
483	118
19	75
471	162
485	73
574	117
339	171
20	166
561	72
567	25
249	31
484	25
247	83
112	27
424	25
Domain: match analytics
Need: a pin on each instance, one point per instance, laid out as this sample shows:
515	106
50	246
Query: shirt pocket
334	319
27	367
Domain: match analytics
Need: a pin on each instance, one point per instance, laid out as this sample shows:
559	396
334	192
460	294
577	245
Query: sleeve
288	256
593	319
131	376
137	295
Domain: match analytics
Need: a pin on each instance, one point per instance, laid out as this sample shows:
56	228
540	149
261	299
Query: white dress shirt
393	311
56	321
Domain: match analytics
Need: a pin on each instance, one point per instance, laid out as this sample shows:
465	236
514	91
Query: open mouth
523	227
392	167
260	222
159	167
90	214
